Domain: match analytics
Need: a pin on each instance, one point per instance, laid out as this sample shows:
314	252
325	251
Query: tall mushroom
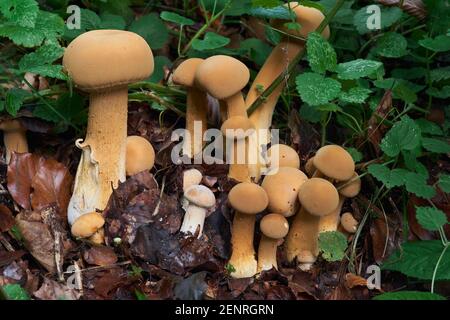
318	197
14	137
103	63
140	155
277	62
196	105
223	78
274	227
200	199
247	199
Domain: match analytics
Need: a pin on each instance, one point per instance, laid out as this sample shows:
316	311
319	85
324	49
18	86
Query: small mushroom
196	105
87	225
14	137
318	197
281	155
247	199
334	162
140	155
282	189
309	167
274	227
349	223
200	200
191	177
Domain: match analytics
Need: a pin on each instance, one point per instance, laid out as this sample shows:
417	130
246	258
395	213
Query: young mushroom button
140	155
200	200
247	199
191	177
281	155
103	63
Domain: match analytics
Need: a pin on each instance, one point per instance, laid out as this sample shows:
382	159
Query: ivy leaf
14	100
152	29
404	135
210	41
357	69
417	183
444	182
176	18
315	89
321	55
409	295
356	155
430	218
356	95
391	178
391	45
388	16
332	244
439	44
14	292
418	259
20	12
429	127
436	145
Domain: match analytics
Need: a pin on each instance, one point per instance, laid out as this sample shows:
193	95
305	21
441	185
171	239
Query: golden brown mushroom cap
351	189
11	125
140	155
222	76
86	225
274	226
309	167
107	58
240	123
282	189
287	156
200	196
248	198
318	196
184	74
334	162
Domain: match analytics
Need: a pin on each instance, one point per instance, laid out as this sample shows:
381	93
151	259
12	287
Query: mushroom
282	189
348	189
274	227
318	197
309	167
196	105
278	61
223	78
87	225
247	199
200	199
140	155
103	63
333	162
349	223
281	155
14	137
191	177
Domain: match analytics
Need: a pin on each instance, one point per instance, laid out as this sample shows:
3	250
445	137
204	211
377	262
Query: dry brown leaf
100	256
6	218
52	290
352	280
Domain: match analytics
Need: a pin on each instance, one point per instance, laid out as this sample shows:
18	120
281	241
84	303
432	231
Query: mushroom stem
236	106
194	218
238	169
243	256
267	253
330	222
196	111
15	141
102	163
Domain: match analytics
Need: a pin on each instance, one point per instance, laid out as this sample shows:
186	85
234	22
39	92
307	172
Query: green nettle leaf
176	18
417	183
403	92
444	182
391	178
409	295
315	89
431	218
429	127
20	12
356	95
440	74
14	292
388	17
356	155
112	21
280	12
328	107
391	45
443	93
357	69
436	145
39	62
210	41
404	135
321	55
332	244
14	100
418	259
439	44
392	83
89	20
152	29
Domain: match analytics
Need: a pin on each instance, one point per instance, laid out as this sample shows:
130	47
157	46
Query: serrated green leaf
210	41
403	92
409	73
444	182
436	145
355	95
152	29
392	83
429	127
418	259
440	74
14	292
443	93
332	244
316	89
321	55
356	155
20	12
430	218
256	50
39	62
176	18
71	107
357	69
14	100
439	44
280	12
328	107
409	295
112	21
391	45
404	135
417	183
388	16
89	20
391	178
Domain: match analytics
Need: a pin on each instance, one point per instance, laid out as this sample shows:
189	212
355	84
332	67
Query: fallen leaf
100	256
6	257
52	290
352	280
6	218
